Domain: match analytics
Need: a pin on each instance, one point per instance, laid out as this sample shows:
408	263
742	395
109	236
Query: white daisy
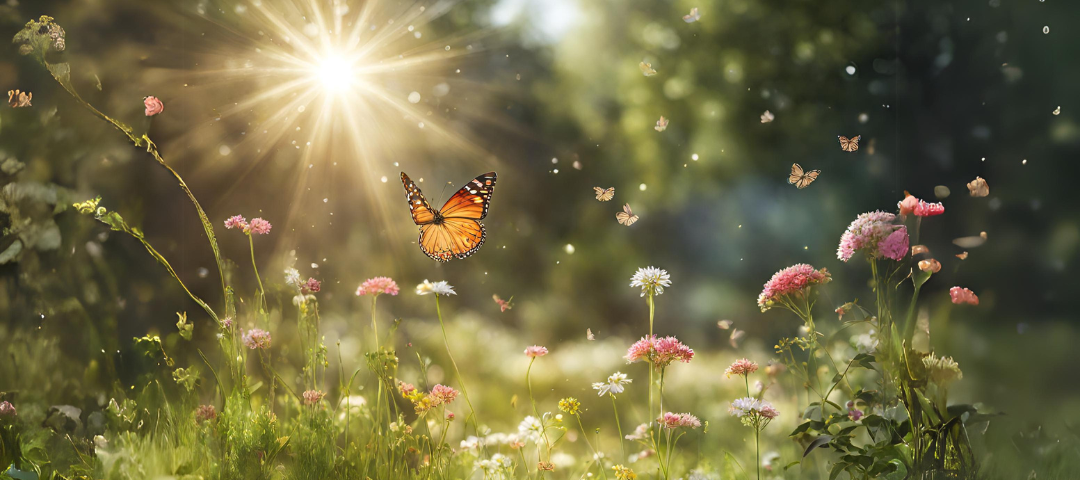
438	288
614	384
652	280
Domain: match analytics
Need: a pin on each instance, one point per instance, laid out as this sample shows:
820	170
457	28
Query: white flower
531	429
438	288
292	277
614	384
865	343
472	443
640	433
652	280
741	406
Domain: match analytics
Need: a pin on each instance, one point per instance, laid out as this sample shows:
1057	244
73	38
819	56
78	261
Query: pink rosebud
962	295
449	416
153	106
907	205
536	351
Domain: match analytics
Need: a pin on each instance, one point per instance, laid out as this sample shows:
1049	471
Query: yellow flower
570	405
623	473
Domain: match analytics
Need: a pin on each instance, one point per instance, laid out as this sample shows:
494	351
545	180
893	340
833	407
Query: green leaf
818	442
863	360
802	428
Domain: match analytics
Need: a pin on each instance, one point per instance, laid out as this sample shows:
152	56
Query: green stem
652	314
757	451
457	372
622	440
374	326
262	292
596	454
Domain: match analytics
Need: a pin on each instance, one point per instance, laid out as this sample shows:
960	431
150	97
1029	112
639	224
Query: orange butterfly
849	144
455	230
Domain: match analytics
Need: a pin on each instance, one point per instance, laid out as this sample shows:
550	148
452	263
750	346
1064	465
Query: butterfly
504	305
767	117
802	179
724	324
455	229
589	335
736	335
978	187
604	194
962	256
849	144
626	217
693	17
646	69
19	99
661	124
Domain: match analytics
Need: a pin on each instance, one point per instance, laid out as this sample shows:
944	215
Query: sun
335	72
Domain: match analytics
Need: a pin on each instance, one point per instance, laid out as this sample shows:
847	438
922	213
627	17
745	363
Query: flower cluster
660	352
438	288
531	429
440	395
7	410
868	232
942	370
753	412
854	414
623	473
675	420
256	225
570	405
791	281
742	367
535	351
312	397
380	285
256	338
494	465
963	295
615	384
205	413
651	280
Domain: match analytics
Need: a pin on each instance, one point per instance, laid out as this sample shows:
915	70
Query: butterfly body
453	231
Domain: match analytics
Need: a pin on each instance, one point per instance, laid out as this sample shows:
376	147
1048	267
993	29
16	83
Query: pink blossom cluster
7	410
205	413
750	406
378	286
869	231
535	351
405	388
661	352
676	420
256	225
791	280
742	367
963	295
310	286
256	338
311	397
443	394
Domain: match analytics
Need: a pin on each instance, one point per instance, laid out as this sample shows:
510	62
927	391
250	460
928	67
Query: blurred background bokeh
549	94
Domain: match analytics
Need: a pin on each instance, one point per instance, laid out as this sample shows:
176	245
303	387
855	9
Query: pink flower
640	350
676	420
311	286
907	205
793	280
153	106
895	246
536	351
855	414
311	397
406	389
963	295
449	416
443	394
670	349
236	221
7	410
742	367
924	209
377	286
866	232
256	338
259	226
205	413
768	411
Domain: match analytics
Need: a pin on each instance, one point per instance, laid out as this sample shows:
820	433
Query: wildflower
205	413
615	384
865	343
866	232
546	466
444	394
930	265
926	209
256	338
378	286
406	389
793	280
7	410
623	473
310	286
153	106
753	412
676	420
311	397
661	352
449	416
640	433
768	411
570	405
942	370
917	249
504	305
652	280
640	350
907	205
438	288
845	309
963	295
742	367
236	221
227	322
742	406
855	414
259	226
530	429
894	246
472	442
536	351
769	459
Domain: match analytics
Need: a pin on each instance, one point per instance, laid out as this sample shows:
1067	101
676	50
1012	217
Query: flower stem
374	326
757	451
446	340
262	293
652	314
622	440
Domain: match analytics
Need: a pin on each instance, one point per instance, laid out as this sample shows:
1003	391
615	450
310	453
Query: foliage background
944	85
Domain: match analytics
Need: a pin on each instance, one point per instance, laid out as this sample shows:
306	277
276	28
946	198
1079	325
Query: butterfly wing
626	217
472	200
604	194
849	144
418	205
453	238
796	174
807	178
